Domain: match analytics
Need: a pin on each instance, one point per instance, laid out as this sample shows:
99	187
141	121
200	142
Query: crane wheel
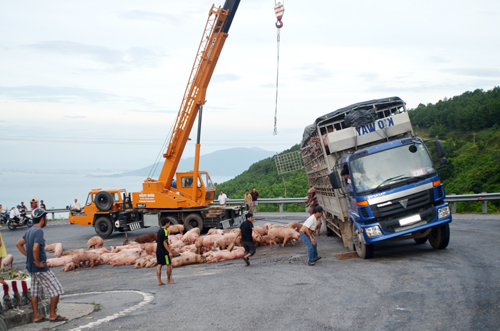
193	221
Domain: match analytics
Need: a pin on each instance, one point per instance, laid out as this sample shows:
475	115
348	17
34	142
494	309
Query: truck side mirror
438	145
335	180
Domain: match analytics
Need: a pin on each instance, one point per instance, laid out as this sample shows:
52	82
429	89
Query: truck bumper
397	228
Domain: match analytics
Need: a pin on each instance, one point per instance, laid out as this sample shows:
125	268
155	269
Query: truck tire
103	227
193	221
364	251
439	236
103	200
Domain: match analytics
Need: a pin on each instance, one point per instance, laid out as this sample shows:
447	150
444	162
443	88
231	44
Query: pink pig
6	261
59	250
95	241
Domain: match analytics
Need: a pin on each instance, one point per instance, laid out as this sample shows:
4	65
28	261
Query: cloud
64	95
135	57
315	71
477	72
153	111
369	76
142	15
75	117
225	78
438	59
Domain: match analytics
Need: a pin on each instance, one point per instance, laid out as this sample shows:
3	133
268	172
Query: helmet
38	213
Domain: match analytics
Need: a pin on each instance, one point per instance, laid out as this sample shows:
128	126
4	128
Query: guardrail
484	197
452	199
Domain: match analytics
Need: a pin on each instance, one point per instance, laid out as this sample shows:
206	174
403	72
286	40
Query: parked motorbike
23	220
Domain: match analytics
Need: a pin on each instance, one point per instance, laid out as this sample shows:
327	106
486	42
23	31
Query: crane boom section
210	47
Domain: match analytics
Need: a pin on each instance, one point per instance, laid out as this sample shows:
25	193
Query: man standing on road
163	252
307	232
248	200
36	264
222	198
254	195
245	232
42	205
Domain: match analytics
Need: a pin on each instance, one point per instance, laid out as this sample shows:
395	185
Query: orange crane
188	203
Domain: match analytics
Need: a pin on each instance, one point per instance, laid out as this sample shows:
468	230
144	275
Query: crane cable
279	9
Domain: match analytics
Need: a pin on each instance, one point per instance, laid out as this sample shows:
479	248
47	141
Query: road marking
147	299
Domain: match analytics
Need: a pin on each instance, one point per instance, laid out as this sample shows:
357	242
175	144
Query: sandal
59	318
319	258
246	261
311	263
43	319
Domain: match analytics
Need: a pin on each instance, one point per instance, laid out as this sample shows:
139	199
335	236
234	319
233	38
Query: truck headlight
373	231
444	212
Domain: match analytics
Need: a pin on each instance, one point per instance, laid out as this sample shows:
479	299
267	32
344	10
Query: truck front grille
397	206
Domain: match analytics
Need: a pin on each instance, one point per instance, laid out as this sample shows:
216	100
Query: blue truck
374	178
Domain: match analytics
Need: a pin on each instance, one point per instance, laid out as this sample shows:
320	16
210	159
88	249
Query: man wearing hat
307	232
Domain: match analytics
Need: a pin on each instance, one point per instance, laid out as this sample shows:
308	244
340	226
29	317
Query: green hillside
468	125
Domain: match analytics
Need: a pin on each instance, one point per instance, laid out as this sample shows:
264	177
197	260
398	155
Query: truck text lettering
372	127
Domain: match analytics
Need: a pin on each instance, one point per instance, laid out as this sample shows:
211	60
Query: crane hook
279	9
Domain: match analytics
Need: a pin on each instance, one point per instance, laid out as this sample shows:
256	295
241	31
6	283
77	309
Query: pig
188	248
226	240
219	256
59	250
147	238
151	262
282	233
199	245
59	261
71	266
87	257
265	240
124	259
95	241
174	237
191	236
294	225
50	247
81	250
8	260
215	231
260	230
150	248
187	258
140	263
175	228
118	249
208	241
176	247
269	226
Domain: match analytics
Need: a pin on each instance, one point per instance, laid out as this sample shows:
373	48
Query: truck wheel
103	200
364	251
103	227
329	232
440	236
420	240
193	221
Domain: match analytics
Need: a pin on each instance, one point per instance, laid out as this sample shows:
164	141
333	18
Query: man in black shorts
245	232
163	252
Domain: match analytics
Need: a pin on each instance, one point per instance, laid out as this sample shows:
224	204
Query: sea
59	190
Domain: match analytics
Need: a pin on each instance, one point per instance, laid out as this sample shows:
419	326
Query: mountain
227	162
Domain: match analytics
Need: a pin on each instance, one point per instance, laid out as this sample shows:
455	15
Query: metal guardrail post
453	205
485	205
281	206
53	216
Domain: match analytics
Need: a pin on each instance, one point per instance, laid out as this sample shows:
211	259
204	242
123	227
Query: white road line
147	299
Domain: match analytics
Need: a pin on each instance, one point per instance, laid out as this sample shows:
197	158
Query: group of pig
188	248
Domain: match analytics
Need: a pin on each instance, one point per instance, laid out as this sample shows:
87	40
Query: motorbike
4	217
23	220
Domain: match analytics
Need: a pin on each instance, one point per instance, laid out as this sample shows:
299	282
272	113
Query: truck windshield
393	167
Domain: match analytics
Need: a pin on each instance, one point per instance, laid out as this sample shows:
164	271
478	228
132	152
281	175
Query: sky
98	84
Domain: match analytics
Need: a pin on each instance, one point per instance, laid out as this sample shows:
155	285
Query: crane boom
212	42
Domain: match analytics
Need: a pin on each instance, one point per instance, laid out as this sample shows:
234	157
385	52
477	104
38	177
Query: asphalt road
406	286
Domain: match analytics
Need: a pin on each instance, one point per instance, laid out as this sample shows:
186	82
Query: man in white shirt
306	234
14	214
222	198
76	206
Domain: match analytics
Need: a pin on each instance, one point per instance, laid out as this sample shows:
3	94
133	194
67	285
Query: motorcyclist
15	214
